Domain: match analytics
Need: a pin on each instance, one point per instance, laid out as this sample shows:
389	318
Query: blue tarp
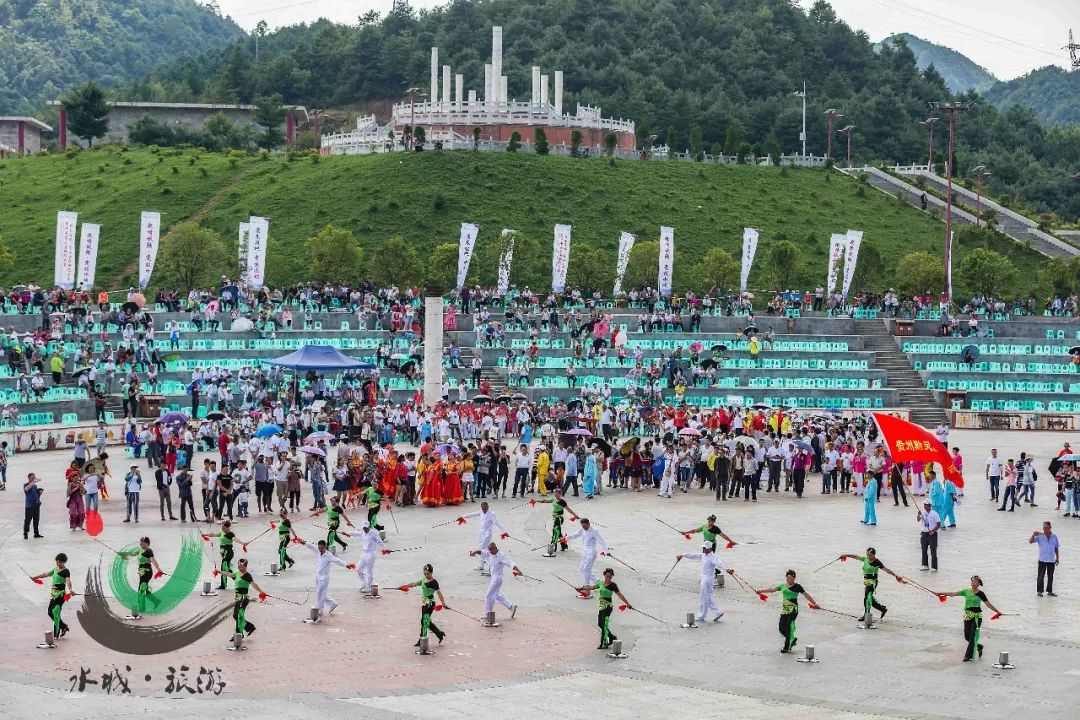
319	357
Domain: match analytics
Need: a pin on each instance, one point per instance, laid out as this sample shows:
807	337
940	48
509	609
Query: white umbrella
242	325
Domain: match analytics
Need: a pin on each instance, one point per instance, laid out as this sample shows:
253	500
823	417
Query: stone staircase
909	385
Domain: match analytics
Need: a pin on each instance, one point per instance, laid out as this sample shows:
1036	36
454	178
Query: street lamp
316	117
802	136
846	131
830	115
929	124
980	173
412	93
951	109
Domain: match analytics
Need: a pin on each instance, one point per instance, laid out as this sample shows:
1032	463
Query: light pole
846	131
412	93
831	115
929	124
802	136
980	173
316	116
949	108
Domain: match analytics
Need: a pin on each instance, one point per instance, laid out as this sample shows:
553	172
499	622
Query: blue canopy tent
317	357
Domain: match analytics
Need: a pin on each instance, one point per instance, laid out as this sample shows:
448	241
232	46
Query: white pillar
433	345
544	92
472	100
489	85
535	85
496	61
434	95
558	92
459	87
502	88
445	87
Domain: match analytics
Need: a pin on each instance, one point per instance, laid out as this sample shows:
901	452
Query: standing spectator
930	523
132	487
33	506
1049	557
1010	472
477	369
1026	478
164	483
993	473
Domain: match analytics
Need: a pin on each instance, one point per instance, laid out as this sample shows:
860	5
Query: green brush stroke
178	584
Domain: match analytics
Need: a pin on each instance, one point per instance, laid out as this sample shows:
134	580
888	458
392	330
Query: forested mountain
1051	92
960	73
47	46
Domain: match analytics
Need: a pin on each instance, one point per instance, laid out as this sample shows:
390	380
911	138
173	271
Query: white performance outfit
488	521
592	541
710	563
323	561
372	542
500	563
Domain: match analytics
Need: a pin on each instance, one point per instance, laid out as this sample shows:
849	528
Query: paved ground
360	663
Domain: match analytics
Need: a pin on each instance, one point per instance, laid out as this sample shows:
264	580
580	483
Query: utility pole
929	124
830	115
802	136
980	173
950	109
846	131
1074	52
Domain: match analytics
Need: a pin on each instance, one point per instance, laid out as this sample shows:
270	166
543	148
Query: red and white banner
560	257
626	244
88	255
149	237
64	269
466	244
749	250
241	253
506	258
667	261
851	257
837	244
258	237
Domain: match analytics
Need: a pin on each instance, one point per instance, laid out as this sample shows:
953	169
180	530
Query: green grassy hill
426	196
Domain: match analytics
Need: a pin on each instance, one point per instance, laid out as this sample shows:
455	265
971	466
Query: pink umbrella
578	431
309	450
690	432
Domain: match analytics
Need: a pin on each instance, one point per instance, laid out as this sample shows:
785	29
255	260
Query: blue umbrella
804	445
268	430
1069	458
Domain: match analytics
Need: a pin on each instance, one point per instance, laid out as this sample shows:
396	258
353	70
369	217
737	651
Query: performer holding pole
499	562
592	541
870	567
605	589
334	514
558	507
429	589
710	566
709	531
146	562
242	580
226	538
59	589
323	560
974	597
285	534
488	521
365	569
373	498
789	611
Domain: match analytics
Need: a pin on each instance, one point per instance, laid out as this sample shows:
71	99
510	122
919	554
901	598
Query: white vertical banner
626	244
560	257
851	257
241	253
64	270
466	243
667	261
149	236
88	255
749	250
837	245
258	235
505	260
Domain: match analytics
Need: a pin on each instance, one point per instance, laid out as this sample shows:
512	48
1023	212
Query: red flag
907	441
461	521
763	597
94	525
351	566
730	545
38	581
262	597
385	551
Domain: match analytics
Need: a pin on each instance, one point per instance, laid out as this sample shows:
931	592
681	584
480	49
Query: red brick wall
555	135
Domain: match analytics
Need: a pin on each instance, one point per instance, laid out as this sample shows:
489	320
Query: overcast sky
1009	38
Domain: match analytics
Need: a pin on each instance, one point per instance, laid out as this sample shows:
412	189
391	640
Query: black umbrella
130	307
216	415
749	330
504	398
481	399
969	353
572	403
706	364
229	292
721	347
79	311
80	371
601	443
599	343
519	396
1074	350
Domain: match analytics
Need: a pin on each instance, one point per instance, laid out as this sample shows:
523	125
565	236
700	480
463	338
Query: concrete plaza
359	663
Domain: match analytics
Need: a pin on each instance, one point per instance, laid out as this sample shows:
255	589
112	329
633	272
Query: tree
1060	277
190	256
591	269
731	140
148	131
575	143
442	266
785	264
527	266
643	265
395	262
920	272
515	142
717	269
87	112
270	114
987	272
672	141
869	268
696	143
540	141
476	138
333	256
420	136
611	142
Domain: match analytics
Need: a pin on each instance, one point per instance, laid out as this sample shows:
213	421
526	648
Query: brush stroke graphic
110	630
168	596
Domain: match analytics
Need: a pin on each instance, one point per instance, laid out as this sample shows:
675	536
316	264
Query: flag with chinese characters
506	259
907	441
749	249
149	236
64	273
560	257
88	255
258	237
626	244
667	260
466	243
837	245
851	258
